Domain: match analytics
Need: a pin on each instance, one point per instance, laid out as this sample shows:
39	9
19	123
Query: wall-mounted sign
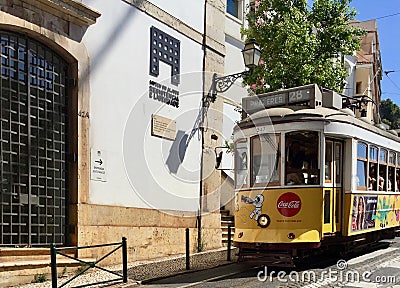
163	94
98	170
165	48
163	127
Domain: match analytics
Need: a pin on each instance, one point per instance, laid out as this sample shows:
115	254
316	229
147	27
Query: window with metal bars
33	142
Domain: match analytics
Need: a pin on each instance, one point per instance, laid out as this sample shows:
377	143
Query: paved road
379	267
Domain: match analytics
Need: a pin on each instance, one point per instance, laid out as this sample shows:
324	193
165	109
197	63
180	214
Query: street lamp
251	56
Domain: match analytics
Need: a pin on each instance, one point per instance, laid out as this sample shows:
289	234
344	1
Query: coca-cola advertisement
288	204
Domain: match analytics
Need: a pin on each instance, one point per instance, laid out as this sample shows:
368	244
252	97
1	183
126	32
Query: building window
235	8
358	87
33	142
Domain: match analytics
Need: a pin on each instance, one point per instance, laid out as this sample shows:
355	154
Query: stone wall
150	233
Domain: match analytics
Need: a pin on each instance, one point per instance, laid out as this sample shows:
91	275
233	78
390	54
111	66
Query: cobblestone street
379	267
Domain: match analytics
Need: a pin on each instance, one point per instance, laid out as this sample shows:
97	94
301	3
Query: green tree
390	113
299	45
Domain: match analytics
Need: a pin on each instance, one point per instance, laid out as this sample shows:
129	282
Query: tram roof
283	114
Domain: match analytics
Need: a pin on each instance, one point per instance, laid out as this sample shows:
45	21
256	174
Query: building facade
367	73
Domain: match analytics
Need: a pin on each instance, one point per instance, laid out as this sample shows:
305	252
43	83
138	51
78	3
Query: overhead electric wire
394	84
386	16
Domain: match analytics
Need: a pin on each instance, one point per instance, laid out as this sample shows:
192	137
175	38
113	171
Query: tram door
332	186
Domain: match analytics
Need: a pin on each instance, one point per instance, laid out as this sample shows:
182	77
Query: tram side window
338	164
362	166
373	168
241	163
397	185
302	158
382	179
328	161
266	159
391	171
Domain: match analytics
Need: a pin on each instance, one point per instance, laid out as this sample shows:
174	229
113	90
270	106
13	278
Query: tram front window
265	159
302	158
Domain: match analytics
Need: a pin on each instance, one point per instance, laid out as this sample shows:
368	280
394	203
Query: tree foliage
300	45
390	113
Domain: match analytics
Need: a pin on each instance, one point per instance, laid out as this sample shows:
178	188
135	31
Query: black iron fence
88	265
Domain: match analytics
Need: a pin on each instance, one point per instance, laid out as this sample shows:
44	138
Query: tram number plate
299	96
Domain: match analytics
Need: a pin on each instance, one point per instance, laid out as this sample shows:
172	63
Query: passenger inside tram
389	181
302	158
381	181
372	178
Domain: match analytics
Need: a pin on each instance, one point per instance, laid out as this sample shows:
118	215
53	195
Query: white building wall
141	170
350	64
234	63
191	12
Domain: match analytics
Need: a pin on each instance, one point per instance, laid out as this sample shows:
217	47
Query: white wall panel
142	170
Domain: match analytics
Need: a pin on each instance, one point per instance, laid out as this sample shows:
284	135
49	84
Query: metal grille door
33	168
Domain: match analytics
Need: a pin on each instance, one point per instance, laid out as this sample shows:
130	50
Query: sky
387	14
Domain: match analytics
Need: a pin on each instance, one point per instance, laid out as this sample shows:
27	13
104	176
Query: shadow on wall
177	152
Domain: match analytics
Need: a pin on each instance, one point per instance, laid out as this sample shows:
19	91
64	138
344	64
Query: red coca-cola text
288	204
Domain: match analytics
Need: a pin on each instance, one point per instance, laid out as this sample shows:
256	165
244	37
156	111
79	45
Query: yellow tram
310	174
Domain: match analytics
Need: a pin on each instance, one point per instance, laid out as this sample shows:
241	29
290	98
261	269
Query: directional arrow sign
98	171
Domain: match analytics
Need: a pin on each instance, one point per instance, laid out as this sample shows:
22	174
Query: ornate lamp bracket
221	84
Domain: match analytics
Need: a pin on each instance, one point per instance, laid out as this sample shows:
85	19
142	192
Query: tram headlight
263	221
291	236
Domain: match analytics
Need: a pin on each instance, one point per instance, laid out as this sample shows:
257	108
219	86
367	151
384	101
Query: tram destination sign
287	97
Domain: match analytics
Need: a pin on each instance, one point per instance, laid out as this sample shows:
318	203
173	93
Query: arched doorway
33	143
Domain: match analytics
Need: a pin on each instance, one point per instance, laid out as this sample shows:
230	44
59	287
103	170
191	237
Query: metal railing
54	251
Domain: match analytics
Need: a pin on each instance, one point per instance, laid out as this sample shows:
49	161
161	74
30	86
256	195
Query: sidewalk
141	271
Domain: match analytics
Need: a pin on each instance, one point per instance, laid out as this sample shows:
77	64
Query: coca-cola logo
288	204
